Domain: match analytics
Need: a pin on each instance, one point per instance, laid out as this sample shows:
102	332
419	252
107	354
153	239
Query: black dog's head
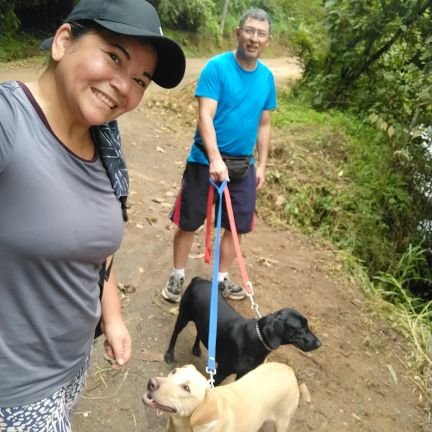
288	326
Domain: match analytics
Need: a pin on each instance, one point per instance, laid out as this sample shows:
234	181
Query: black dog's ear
272	331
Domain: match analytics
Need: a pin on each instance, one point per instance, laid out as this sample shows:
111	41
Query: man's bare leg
182	246
227	251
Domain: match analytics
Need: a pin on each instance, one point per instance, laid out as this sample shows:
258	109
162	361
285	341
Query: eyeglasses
250	31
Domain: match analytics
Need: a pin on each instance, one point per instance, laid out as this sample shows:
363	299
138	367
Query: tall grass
411	315
408	315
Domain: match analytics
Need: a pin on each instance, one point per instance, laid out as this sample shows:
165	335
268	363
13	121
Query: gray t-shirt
59	220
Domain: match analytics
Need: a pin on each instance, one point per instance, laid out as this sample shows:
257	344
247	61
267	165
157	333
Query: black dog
242	344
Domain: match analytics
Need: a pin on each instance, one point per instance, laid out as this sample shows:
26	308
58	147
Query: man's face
252	38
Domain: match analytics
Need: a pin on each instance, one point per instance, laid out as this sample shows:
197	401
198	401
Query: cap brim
171	62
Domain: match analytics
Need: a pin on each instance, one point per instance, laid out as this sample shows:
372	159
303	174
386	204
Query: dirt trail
357	380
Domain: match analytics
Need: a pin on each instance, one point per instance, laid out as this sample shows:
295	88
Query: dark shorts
190	209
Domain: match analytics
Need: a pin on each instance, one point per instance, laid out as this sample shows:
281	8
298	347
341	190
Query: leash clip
211	380
250	294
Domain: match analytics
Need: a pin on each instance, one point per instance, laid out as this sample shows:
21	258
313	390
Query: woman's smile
104	98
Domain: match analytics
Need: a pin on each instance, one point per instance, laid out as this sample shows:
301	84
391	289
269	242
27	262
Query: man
235	94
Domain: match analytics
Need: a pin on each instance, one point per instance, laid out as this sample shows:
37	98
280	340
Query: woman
63	186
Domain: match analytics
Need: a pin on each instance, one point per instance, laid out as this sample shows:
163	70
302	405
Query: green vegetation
411	315
337	175
376	64
11	47
17	48
378	59
196	24
406	314
359	171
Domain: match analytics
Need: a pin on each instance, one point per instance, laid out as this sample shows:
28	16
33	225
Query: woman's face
101	77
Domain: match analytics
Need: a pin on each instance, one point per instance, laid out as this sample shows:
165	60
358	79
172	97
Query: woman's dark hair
82	27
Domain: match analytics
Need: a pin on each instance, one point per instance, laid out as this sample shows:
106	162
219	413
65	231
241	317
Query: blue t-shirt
242	96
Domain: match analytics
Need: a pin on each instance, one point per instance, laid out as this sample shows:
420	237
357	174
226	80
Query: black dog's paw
169	357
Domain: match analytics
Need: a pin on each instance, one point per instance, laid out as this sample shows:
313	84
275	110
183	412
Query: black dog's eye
173	372
186	388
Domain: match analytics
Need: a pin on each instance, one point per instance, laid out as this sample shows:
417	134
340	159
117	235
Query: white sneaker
173	289
231	290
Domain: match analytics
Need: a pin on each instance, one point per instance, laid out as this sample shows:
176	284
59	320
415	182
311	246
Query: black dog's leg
179	326
196	349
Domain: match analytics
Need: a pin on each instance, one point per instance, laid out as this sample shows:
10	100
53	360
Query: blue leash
211	362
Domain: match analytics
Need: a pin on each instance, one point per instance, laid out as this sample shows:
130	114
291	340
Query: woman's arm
118	341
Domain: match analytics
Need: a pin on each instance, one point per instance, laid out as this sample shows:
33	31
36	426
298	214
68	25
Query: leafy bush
339	176
378	59
13	48
191	15
9	23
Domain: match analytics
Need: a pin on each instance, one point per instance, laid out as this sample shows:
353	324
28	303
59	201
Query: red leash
247	284
209	223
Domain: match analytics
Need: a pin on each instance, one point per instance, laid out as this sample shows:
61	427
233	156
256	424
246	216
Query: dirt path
357	380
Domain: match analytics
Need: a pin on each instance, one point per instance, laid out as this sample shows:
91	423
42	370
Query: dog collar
261	338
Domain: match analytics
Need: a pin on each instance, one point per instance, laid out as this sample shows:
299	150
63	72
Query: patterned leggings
47	415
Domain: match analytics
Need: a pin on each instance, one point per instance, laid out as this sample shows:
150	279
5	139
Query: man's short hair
257	14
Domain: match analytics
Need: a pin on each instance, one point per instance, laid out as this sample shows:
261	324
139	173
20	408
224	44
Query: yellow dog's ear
207	411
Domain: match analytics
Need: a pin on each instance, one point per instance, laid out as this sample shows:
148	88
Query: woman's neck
74	136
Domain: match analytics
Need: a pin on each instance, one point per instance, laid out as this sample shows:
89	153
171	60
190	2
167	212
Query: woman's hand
118	343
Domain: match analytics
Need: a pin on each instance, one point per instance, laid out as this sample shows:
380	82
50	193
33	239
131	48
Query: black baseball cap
134	18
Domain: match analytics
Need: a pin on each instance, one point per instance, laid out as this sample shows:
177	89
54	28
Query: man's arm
206	112
263	145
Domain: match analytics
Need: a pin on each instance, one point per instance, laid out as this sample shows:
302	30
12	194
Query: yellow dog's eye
187	388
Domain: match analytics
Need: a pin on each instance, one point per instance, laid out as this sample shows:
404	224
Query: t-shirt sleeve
209	81
7	127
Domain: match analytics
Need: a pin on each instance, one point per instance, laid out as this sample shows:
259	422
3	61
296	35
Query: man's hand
218	171
260	177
